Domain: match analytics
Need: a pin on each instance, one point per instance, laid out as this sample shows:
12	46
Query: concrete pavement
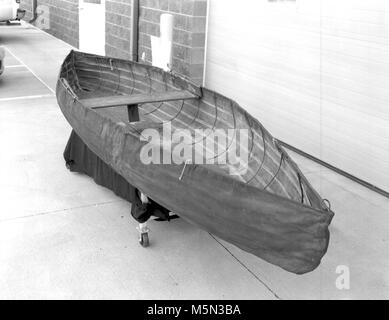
63	236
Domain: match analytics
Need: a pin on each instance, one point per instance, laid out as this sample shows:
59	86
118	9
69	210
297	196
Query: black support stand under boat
79	158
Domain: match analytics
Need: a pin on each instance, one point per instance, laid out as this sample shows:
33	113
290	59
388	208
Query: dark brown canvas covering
80	159
270	209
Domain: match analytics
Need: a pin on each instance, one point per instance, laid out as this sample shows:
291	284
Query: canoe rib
119	100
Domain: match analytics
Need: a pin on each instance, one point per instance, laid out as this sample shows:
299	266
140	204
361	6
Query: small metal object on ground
143	235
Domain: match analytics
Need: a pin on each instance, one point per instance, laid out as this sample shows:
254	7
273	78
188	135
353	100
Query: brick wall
63	15
188	34
118	28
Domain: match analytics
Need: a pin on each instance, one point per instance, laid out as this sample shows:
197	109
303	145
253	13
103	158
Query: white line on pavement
29	69
15	66
27	97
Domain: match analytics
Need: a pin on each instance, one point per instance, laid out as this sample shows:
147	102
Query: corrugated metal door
315	73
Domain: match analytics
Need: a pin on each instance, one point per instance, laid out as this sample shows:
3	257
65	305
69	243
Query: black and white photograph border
194	150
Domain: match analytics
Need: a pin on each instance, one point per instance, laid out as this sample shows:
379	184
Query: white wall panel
314	72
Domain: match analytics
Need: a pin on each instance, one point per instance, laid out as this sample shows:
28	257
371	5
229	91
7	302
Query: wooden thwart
122	100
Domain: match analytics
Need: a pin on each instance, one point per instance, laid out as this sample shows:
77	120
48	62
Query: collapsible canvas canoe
197	153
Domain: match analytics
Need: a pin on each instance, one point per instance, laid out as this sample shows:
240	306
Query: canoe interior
269	167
